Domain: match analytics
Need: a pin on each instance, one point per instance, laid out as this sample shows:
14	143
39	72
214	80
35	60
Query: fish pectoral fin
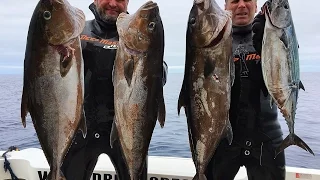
161	111
284	39
209	66
24	107
83	124
128	70
113	134
66	60
228	132
301	86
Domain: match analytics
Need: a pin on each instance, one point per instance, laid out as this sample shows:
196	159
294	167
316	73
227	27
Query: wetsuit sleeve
258	28
165	73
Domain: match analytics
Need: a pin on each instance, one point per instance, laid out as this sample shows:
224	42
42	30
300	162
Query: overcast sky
15	18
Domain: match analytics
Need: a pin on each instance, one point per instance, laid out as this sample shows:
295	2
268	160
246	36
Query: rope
6	164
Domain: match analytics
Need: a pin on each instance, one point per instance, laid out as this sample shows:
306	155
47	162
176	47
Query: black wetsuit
254	123
99	44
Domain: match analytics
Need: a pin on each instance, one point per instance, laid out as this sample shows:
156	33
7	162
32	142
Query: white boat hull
31	164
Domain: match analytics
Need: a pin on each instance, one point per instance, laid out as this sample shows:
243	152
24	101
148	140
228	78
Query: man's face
109	10
243	11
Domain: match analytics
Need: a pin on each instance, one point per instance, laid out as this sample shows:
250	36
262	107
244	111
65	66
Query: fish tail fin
199	176
293	139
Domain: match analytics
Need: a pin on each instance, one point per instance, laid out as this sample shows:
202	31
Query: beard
105	17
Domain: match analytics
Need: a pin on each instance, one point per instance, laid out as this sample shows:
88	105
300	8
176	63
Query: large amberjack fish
53	86
280	66
137	79
208	77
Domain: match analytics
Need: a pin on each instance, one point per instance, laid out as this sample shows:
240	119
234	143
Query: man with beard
99	44
255	126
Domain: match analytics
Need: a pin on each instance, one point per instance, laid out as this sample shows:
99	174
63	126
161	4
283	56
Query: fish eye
193	21
47	15
151	26
286	6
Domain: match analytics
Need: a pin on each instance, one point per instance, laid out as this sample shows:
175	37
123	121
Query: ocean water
172	140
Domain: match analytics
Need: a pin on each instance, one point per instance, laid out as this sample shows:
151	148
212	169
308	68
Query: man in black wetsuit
99	44
255	125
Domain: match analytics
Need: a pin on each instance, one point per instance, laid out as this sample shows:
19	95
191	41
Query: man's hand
258	27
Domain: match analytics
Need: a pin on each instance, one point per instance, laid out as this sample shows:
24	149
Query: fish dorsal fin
128	70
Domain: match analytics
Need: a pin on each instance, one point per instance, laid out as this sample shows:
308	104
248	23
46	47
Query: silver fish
280	66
